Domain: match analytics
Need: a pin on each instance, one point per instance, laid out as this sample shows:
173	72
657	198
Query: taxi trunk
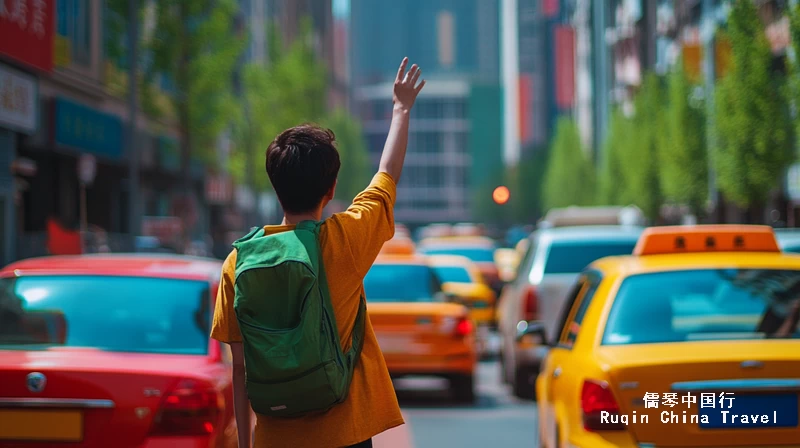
101	399
424	338
761	377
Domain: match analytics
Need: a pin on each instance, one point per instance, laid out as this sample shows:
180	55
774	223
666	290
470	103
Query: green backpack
294	361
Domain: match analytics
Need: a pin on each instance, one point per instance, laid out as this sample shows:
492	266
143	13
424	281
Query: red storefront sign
26	32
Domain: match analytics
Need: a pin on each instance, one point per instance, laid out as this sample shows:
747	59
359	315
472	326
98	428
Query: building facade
455	147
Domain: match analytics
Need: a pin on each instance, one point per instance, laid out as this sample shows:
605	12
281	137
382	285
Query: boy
303	164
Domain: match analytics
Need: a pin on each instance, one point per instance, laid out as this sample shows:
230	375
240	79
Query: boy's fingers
420	86
411	73
416	77
402	69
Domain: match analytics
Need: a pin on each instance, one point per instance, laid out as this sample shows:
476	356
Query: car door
509	309
559	370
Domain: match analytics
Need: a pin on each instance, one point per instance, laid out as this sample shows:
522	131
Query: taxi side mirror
531	333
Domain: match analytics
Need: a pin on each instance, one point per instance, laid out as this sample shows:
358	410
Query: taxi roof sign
706	238
399	245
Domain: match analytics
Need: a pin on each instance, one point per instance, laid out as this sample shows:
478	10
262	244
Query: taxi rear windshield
705	305
476	254
570	257
120	314
400	283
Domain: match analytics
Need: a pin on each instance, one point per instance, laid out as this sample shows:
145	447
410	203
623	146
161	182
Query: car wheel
463	388
524	385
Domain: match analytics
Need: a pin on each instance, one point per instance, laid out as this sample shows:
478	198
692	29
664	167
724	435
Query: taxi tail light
597	399
531	304
192	408
463	327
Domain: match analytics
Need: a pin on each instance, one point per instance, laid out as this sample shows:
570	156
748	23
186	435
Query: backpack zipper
337	348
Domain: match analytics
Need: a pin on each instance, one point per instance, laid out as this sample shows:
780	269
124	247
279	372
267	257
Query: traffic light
501	195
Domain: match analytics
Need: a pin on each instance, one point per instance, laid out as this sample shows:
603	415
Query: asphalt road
433	420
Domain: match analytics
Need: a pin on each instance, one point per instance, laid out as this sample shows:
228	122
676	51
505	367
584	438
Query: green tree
684	162
526	181
570	176
196	47
289	91
753	124
640	160
611	182
355	172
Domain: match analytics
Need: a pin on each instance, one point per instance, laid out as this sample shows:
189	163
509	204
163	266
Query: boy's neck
289	219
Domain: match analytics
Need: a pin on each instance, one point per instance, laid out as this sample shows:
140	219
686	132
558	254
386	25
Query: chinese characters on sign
18	102
26	32
707	400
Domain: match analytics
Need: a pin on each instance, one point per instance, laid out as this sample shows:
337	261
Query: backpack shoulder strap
360	325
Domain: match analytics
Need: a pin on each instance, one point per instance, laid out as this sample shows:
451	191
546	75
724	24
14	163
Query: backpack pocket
308	392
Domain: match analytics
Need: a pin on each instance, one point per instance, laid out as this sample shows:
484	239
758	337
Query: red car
113	350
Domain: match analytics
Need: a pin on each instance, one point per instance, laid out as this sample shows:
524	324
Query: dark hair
302	164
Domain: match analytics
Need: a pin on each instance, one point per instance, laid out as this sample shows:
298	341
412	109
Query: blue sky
341	8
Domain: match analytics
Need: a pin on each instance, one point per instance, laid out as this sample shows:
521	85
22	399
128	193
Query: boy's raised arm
405	93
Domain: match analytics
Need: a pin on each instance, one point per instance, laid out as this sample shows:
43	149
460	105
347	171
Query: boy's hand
405	86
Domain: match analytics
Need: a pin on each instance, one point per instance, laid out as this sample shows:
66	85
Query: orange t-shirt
350	242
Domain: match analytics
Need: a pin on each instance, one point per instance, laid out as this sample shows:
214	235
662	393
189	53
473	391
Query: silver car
552	263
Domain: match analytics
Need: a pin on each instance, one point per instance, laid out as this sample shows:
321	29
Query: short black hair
302	164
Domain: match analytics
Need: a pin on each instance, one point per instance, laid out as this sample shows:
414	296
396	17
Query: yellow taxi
461	278
420	329
691	341
479	249
506	261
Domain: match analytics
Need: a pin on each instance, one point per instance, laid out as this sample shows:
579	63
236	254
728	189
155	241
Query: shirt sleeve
369	221
225	327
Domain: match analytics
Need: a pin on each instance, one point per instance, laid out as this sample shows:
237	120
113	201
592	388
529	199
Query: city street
496	419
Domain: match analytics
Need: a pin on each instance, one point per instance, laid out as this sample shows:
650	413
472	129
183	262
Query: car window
482	254
569	257
401	283
455	274
567	310
581	304
705	305
113	313
525	266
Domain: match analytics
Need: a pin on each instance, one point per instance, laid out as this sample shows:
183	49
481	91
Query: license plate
753	411
51	426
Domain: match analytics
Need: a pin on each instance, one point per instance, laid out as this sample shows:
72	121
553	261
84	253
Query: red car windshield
114	313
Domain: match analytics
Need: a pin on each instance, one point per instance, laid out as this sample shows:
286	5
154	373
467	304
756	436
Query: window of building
446	30
74	32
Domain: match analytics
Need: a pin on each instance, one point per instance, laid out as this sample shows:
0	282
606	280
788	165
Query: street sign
87	168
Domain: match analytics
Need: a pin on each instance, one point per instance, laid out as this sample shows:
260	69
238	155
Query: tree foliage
611	183
753	126
291	90
684	162
354	174
640	160
196	48
525	182
570	176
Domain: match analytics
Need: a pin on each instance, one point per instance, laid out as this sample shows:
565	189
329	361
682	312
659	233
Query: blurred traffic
600	319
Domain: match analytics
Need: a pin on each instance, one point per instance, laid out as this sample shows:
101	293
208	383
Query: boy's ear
332	192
